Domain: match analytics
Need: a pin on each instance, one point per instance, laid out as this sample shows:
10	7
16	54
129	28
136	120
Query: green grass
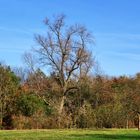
107	134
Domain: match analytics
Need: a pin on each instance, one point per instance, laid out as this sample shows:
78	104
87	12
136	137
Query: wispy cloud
16	40
125	45
123	55
12	50
21	30
16	30
130	36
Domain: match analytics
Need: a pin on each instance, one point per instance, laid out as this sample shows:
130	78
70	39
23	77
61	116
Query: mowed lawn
108	134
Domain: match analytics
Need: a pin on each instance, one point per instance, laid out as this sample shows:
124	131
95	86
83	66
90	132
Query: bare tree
35	77
65	50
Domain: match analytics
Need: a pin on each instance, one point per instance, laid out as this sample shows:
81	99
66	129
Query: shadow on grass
108	137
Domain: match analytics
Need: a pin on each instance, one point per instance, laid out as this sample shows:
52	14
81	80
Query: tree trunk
61	105
60	111
127	124
1	116
139	121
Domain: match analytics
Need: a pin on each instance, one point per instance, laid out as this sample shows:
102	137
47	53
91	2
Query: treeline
57	90
99	102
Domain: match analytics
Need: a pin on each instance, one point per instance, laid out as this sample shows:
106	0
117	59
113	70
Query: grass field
108	134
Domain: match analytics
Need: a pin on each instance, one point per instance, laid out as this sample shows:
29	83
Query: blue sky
115	25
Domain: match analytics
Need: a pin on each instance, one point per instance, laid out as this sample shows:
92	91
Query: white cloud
21	30
17	30
123	55
130	36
